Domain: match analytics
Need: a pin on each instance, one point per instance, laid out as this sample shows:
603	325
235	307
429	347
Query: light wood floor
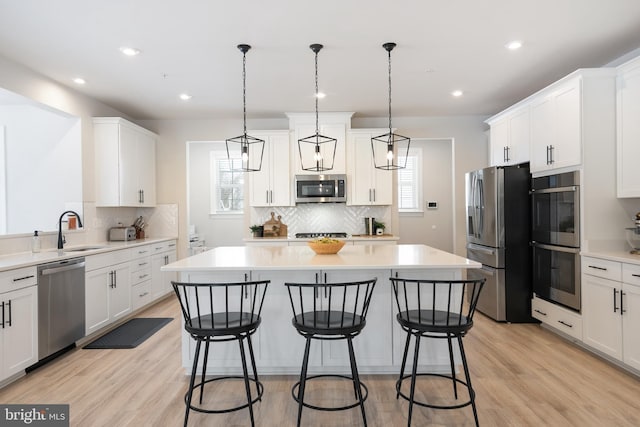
523	376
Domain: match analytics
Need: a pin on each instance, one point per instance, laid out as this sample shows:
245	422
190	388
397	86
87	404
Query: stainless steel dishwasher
60	305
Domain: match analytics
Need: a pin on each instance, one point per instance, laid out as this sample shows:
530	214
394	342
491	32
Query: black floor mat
130	334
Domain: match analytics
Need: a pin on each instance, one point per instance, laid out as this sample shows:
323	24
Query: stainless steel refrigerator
498	234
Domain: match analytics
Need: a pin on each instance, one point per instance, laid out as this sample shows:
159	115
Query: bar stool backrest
331	305
235	306
436	304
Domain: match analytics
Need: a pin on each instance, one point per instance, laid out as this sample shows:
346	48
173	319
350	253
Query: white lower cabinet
108	289
163	253
611	308
557	317
18	321
140	267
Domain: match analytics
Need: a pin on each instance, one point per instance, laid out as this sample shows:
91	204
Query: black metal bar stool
341	316
219	312
436	309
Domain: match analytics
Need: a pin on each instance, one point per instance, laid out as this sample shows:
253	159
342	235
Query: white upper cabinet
367	185
333	125
628	129
572	117
556	131
125	163
510	135
271	186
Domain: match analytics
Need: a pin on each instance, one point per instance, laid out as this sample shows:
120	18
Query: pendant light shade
390	151
317	152
245	152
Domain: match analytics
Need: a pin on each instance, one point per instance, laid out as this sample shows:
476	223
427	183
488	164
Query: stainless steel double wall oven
555	235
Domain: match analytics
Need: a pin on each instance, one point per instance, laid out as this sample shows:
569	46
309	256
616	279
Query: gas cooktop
314	235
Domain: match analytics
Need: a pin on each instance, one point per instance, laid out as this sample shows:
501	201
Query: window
227	186
410	183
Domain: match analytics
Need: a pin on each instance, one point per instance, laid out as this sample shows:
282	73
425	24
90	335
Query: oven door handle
571	188
555	248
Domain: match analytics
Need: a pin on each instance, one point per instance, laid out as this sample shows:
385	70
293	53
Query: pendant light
317	152
247	148
386	148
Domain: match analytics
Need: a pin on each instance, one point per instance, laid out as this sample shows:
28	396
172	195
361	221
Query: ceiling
190	47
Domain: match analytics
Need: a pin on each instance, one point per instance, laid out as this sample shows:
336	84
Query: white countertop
619	256
28	259
302	257
350	238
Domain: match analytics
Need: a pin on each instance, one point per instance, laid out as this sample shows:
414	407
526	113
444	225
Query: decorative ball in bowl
326	246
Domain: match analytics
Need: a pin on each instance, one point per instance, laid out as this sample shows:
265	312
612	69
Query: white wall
433	227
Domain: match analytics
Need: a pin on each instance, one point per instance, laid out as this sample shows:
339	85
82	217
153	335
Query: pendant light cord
389	52
244	92
316	95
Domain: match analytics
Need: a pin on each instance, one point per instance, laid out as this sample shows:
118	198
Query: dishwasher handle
60	269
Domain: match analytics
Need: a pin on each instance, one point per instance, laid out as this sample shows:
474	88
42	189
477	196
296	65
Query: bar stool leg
303	378
192	381
246	378
413	379
253	366
453	368
204	368
404	362
356	378
472	394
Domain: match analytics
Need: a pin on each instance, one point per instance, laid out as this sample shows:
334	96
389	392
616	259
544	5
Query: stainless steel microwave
321	188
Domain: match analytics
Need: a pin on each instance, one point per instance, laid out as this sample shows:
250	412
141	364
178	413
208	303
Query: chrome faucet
60	238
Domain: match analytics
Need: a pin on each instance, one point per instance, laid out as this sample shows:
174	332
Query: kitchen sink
83	248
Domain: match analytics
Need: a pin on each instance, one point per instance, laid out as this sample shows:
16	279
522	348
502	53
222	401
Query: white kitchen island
278	347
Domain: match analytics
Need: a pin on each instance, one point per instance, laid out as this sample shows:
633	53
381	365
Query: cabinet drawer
140	264
160	247
94	262
631	274
611	270
140	275
141	294
141	251
557	317
18	279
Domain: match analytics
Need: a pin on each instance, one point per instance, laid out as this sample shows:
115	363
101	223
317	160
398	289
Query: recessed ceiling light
457	93
514	45
79	81
185	96
320	95
130	51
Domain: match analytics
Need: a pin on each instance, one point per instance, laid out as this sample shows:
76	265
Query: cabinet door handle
9	305
565	323
17	279
142	196
551	160
547	154
597	268
2	314
266	196
115	279
635	275
540	312
622	310
111	279
615	300
271	196
143	276
369	194
143	294
374	194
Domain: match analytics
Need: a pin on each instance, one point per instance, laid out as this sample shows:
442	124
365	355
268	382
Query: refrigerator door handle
481	208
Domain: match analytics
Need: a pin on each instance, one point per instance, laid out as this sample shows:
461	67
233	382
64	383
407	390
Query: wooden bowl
322	248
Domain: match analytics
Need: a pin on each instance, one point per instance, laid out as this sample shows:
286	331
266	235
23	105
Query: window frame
215	157
416	183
